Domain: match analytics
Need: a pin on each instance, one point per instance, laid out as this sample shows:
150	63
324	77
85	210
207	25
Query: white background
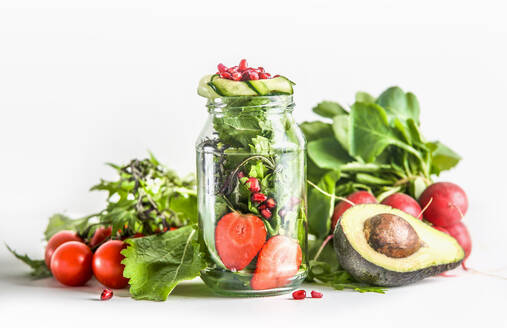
88	82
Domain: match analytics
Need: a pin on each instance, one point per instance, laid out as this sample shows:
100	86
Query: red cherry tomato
101	234
71	263
107	266
56	240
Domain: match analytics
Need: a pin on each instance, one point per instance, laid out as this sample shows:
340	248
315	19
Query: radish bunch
443	204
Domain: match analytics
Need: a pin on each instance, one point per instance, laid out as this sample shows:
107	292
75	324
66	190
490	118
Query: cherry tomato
56	240
101	234
71	263
107	266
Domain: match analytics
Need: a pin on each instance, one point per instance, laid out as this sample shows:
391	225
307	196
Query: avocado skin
367	272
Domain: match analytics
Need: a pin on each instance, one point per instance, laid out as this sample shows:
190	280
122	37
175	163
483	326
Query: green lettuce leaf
59	222
327	153
157	263
399	104
39	268
329	109
321	206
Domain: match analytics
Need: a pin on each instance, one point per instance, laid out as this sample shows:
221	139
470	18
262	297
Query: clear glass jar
251	172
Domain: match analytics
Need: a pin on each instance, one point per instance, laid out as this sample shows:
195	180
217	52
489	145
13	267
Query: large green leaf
329	109
370	133
341	130
321	206
316	130
399	104
157	263
327	153
59	222
365	97
443	157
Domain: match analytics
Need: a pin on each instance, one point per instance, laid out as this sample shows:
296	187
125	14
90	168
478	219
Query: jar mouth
273	104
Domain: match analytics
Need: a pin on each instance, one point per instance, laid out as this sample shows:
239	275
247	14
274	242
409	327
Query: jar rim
276	103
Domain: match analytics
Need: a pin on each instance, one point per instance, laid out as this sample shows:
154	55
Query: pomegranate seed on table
242	65
299	294
270	203
316	294
258	197
253	185
266	213
107	294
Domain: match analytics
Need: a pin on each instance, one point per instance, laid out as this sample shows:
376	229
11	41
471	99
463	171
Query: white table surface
467	300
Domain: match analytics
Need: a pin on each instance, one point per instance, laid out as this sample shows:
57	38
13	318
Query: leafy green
399	105
329	109
157	263
327	153
377	146
321	206
325	269
59	222
443	158
39	268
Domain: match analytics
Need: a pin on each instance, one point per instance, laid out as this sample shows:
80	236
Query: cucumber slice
213	86
278	85
231	88
204	89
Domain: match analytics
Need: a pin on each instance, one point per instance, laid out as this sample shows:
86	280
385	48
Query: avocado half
383	246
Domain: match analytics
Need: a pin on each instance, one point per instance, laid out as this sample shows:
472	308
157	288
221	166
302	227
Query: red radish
299	294
277	263
258	197
448	205
358	197
460	232
316	294
404	203
253	185
238	239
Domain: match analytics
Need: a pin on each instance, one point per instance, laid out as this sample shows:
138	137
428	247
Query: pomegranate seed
266	213
253	75
232	69
258	197
264	75
260	69
221	68
245	76
226	75
276	75
316	294
299	294
241	174
242	65
253	185
270	203
107	294
262	207
236	76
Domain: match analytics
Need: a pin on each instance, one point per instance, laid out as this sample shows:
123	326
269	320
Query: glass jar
251	172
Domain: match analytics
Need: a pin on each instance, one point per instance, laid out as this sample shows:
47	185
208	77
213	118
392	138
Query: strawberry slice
238	239
278	261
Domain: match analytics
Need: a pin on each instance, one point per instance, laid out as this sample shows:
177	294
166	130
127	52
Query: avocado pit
391	235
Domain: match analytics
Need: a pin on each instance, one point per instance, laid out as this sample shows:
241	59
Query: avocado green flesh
440	252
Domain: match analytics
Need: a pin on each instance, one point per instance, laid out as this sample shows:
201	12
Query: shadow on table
193	289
